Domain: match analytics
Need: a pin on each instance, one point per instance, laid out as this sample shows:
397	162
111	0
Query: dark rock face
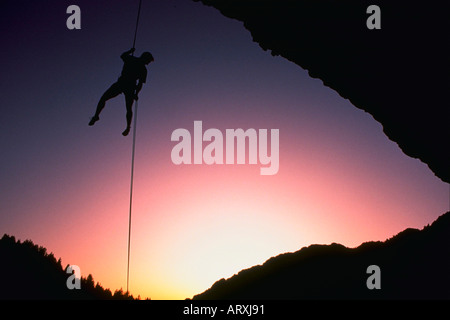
400	73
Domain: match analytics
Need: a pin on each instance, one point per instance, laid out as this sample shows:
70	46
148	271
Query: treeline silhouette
28	271
414	264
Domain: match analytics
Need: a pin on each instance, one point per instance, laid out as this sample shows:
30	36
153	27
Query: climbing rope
137	23
132	157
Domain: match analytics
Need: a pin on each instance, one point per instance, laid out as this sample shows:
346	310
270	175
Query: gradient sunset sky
65	185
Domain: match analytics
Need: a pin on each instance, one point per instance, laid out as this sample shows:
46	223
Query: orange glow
195	224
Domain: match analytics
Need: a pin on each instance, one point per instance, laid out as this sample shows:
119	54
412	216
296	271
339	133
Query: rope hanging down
132	157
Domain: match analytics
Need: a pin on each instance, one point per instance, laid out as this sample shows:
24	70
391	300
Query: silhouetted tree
30	272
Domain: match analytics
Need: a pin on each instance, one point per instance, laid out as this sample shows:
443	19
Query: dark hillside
414	264
29	272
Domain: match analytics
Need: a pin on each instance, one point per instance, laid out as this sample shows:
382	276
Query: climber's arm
127	53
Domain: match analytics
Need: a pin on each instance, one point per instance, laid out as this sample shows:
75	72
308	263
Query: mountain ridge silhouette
414	264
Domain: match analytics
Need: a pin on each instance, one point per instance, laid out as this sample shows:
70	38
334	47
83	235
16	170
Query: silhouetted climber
134	69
